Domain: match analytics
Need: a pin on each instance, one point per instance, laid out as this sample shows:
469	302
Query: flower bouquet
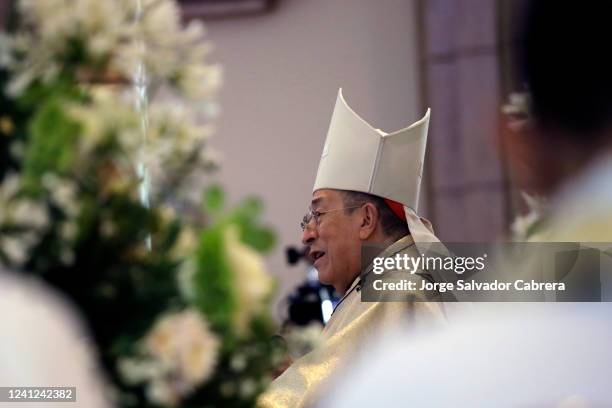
105	113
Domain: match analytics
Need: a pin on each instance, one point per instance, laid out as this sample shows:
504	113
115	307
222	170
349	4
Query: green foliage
120	286
213	199
53	141
246	215
214	281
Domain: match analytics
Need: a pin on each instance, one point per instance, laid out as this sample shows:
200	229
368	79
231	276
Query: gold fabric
346	336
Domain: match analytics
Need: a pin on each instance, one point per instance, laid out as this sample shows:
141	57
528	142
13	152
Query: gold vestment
346	336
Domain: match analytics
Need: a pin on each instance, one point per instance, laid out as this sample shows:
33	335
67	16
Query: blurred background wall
460	50
467	46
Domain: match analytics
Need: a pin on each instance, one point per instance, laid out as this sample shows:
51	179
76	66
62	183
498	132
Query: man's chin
324	277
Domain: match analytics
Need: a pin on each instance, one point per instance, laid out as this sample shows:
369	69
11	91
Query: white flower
30	213
21	212
8	189
185	276
211	157
252	283
136	371
109	114
175	139
16	249
68	230
180	353
187	351
238	362
162	393
111	32
199	82
63	193
184	343
51	28
184	249
248	387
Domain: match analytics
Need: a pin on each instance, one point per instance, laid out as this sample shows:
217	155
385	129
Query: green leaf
213	199
250	208
261	239
52	144
246	215
213	281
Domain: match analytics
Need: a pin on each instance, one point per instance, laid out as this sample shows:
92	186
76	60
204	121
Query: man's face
335	246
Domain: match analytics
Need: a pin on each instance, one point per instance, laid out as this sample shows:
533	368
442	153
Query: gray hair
392	226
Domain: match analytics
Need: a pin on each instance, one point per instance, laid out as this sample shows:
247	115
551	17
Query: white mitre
358	157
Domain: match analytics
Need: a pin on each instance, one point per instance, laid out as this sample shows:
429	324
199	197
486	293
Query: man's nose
309	235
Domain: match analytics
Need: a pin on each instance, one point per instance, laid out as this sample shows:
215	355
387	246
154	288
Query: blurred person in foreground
366	192
43	344
531	354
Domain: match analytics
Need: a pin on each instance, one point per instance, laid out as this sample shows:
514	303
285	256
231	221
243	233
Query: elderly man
366	192
335	240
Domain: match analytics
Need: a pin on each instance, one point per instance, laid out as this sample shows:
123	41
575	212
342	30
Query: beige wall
283	71
469	185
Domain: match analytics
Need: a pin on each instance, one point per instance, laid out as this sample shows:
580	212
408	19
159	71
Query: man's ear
369	220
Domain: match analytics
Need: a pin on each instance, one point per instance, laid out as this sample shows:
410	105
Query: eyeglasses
316	216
